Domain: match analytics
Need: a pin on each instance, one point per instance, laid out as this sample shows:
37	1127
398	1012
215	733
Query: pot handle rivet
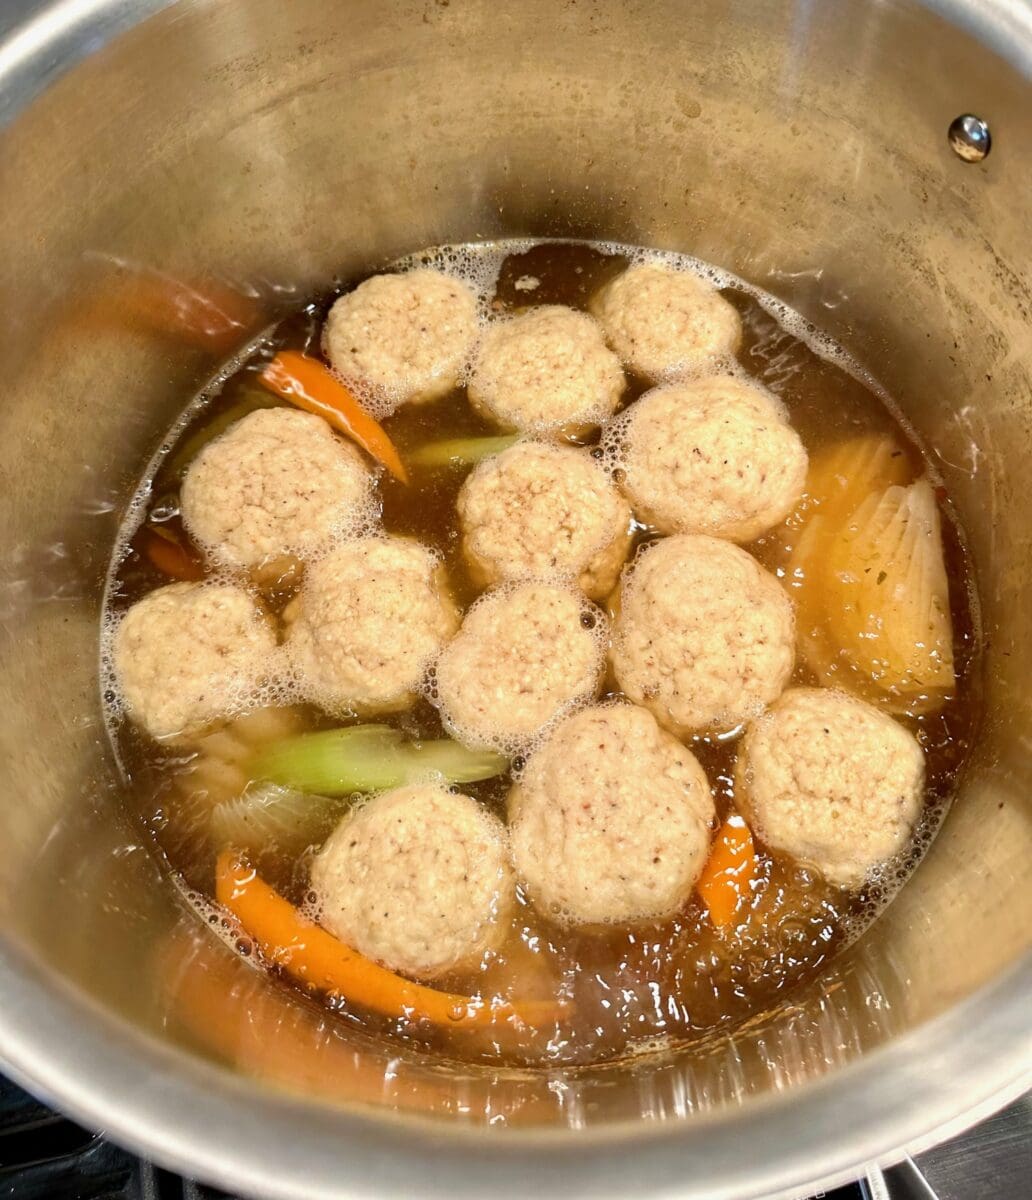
969	138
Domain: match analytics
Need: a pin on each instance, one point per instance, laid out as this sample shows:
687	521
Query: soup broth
627	988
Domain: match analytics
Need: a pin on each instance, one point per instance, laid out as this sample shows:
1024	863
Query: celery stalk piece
333	762
454	762
460	451
368	758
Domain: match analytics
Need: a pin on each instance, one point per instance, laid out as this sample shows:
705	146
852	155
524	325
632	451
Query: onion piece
217	771
848	472
267	815
839	479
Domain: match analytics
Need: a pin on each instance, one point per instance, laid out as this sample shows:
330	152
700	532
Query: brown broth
672	981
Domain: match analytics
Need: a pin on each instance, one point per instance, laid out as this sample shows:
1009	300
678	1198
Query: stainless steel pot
277	145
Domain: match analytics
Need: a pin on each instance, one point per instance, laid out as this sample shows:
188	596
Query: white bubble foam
478	266
378	402
219	921
884	882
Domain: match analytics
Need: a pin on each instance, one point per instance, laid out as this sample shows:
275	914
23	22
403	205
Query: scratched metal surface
992	1160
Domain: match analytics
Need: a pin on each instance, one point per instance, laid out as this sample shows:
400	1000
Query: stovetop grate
44	1156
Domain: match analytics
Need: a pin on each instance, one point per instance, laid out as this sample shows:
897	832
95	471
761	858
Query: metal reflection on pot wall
276	147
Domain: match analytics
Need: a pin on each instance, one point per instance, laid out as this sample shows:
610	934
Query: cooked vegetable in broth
542	652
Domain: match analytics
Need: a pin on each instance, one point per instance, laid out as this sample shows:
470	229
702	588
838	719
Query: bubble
311	907
479	266
164	509
214	918
884	882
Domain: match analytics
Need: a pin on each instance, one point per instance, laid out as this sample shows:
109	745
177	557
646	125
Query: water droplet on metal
969	138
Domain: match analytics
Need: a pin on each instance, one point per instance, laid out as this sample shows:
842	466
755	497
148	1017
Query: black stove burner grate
44	1156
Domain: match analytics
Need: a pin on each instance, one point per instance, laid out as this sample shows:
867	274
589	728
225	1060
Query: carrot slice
170	556
314	957
729	871
304	381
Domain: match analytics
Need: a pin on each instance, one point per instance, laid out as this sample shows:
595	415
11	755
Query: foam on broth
656	984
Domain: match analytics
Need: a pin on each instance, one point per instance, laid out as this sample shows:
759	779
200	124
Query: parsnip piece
865	567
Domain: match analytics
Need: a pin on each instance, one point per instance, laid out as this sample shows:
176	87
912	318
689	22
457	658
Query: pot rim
40	40
198	1118
201	1119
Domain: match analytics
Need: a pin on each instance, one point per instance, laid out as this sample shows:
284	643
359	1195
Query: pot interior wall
280	146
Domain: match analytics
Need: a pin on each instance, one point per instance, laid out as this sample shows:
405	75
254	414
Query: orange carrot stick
304	381
221	1004
171	557
729	871
314	957
237	1018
